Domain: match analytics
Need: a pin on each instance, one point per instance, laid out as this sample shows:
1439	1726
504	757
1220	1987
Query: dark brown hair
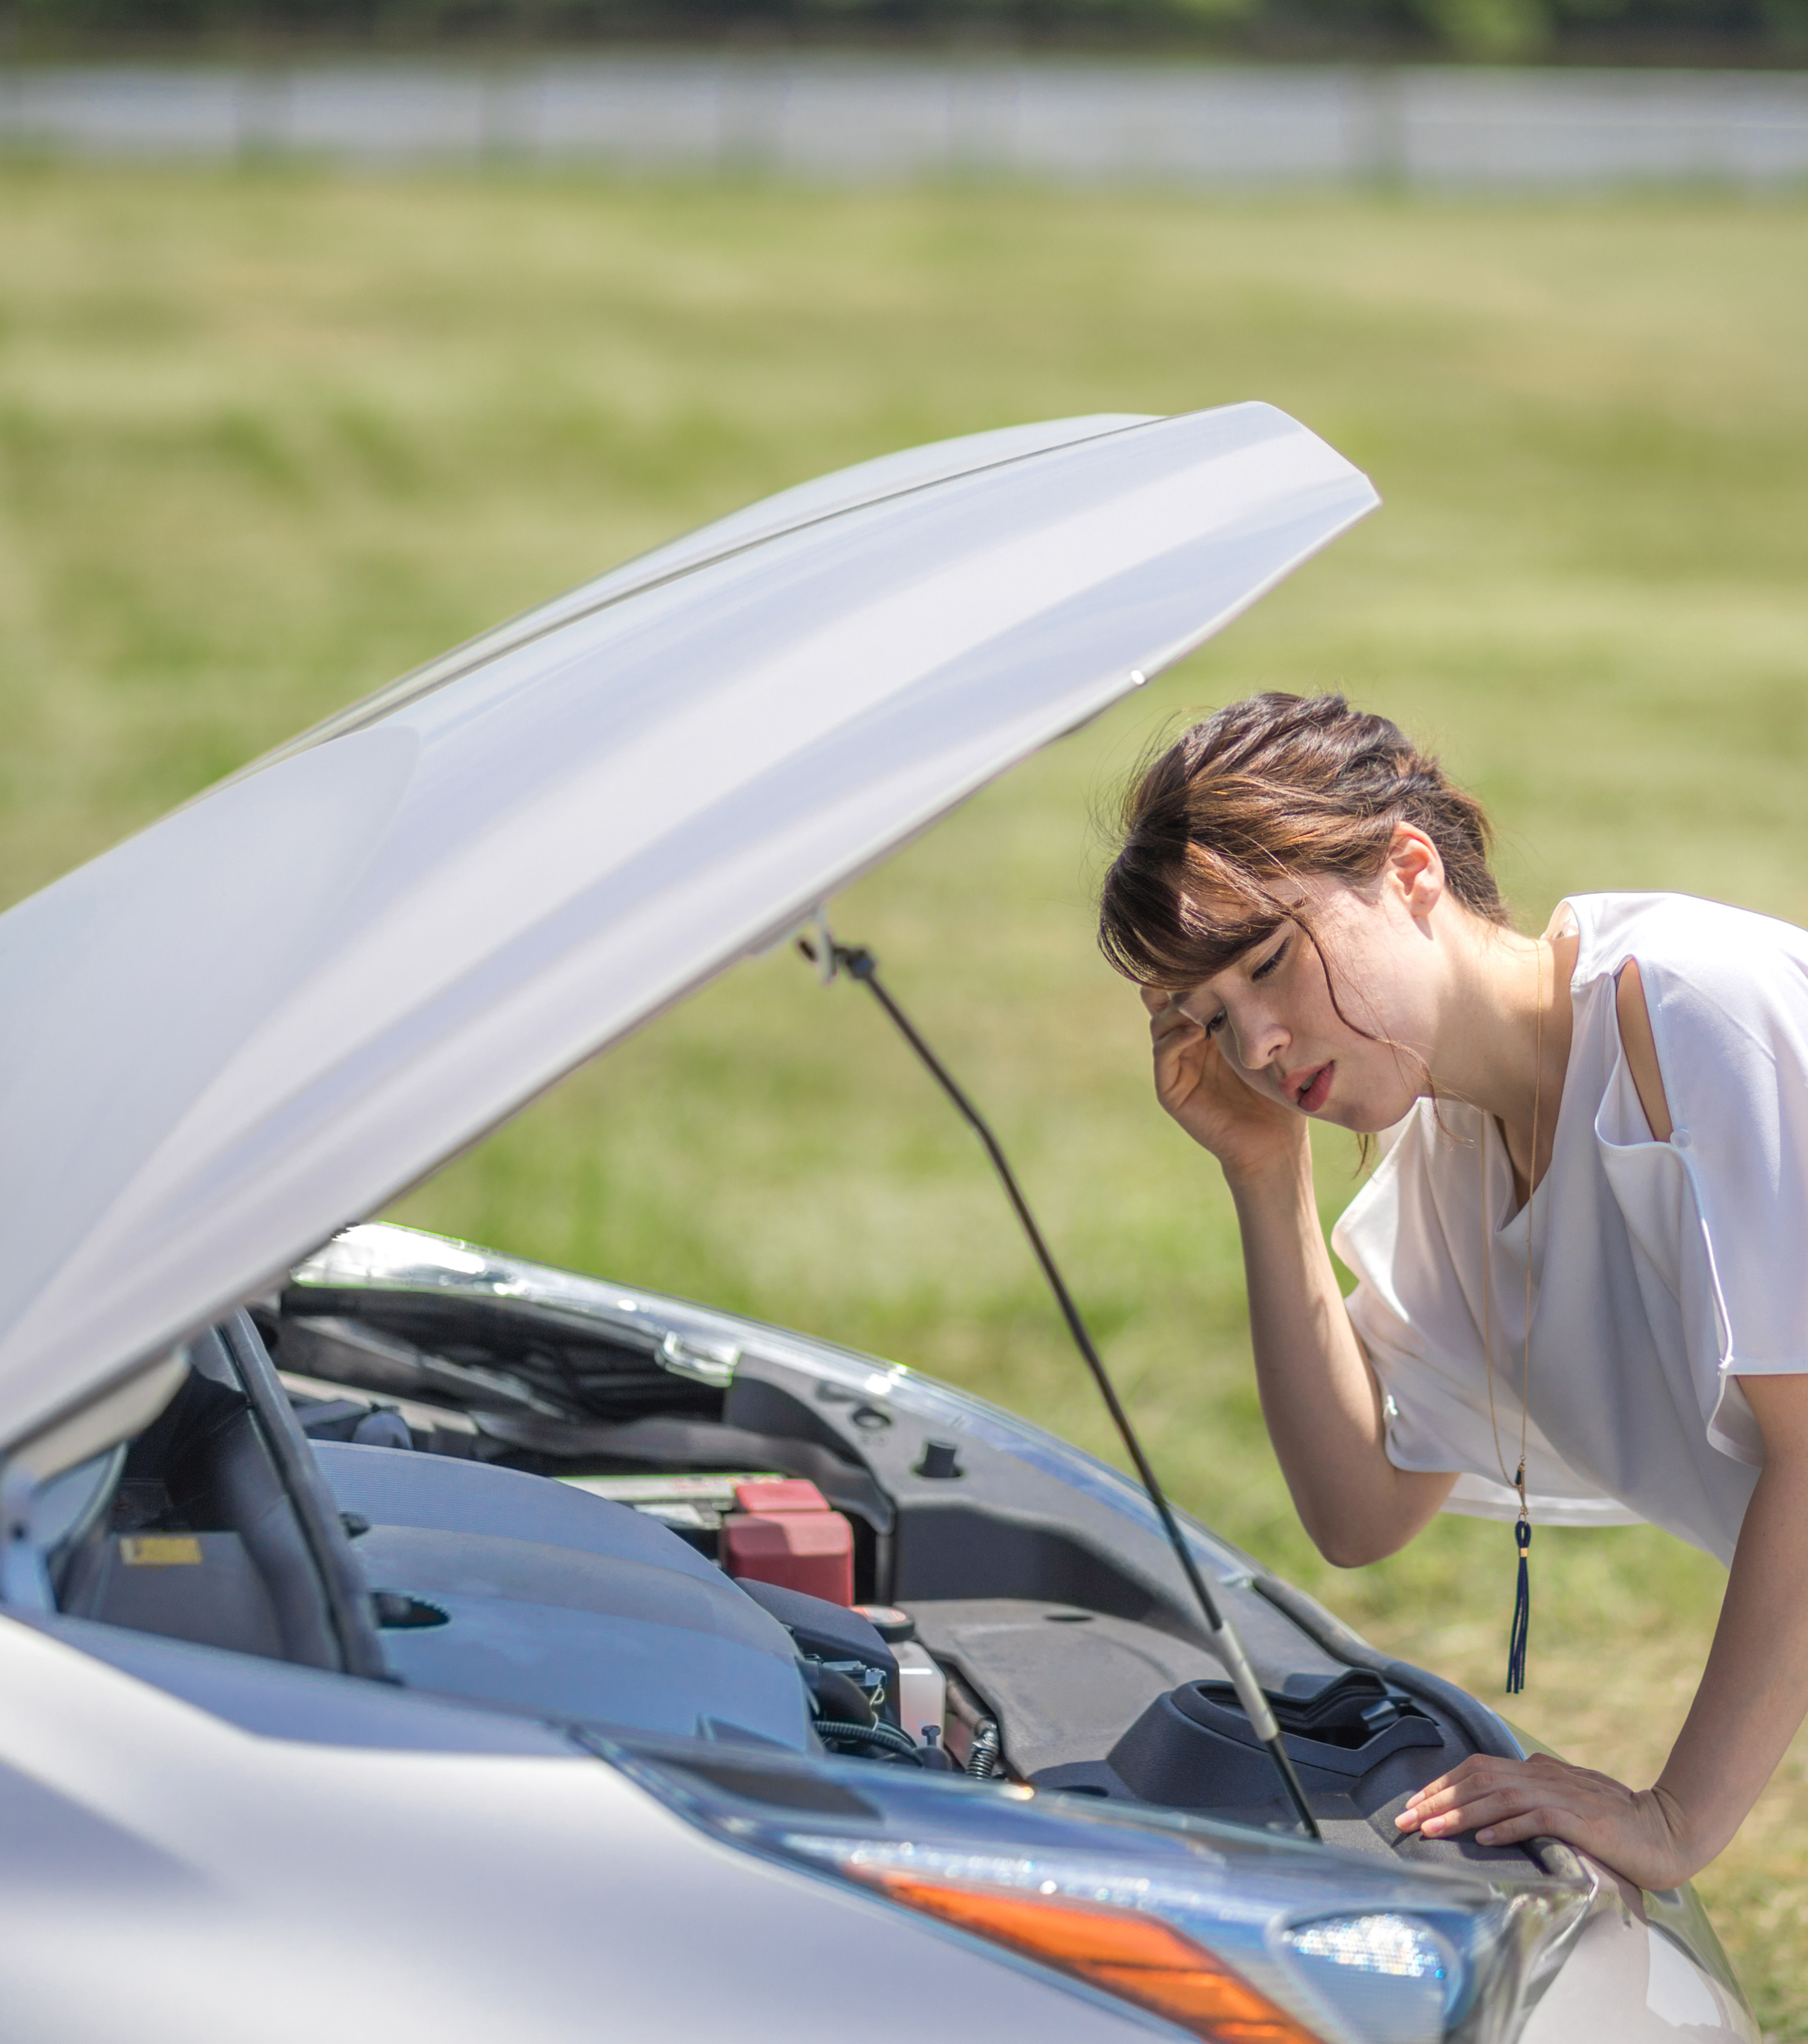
1274	788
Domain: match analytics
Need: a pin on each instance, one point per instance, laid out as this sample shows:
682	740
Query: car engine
559	1501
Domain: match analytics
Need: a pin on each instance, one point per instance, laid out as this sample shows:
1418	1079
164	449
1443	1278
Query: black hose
844	1734
982	1755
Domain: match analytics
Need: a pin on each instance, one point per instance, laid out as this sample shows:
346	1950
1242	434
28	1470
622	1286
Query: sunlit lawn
265	441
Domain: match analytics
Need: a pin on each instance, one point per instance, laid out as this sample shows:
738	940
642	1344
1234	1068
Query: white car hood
261	1019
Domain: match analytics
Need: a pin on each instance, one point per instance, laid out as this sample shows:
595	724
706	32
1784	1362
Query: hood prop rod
859	964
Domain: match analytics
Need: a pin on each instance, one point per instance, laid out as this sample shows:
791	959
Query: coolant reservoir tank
923	1688
922	1691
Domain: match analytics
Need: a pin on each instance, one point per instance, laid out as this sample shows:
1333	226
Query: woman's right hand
1199	1086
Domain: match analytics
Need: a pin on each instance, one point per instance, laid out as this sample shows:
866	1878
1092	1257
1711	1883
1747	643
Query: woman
1600	1138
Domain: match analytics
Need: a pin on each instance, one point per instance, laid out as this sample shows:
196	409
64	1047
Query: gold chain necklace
1522	1527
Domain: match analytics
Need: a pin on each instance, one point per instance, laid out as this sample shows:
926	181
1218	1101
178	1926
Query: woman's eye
1268	964
1216	1023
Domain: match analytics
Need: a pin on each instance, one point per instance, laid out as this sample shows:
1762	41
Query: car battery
692	1505
787	1533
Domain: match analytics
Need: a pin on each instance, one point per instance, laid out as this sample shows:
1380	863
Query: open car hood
262	1018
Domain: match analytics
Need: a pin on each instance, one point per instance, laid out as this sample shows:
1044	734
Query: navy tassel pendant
1521	1611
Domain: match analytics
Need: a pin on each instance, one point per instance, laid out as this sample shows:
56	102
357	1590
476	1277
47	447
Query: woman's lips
1317	1089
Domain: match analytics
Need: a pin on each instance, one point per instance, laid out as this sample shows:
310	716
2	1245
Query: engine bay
572	1510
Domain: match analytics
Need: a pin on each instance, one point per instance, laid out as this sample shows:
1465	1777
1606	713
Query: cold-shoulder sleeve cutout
1640	1046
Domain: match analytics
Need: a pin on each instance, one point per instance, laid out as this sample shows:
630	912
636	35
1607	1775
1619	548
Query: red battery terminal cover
786	1533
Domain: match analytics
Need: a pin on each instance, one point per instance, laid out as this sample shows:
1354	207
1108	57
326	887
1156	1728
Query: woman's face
1272	1015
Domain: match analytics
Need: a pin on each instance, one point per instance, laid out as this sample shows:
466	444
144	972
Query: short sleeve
1729	1009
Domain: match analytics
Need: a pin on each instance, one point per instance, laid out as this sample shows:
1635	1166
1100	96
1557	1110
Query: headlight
1232	1935
1393	1976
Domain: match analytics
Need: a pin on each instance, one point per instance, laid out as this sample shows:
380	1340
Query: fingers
1487	1792
1480	1815
1172	1020
1225	1108
1434	1796
1642	1835
1542	1821
1504	1801
1178	1033
1174	1034
1165	1009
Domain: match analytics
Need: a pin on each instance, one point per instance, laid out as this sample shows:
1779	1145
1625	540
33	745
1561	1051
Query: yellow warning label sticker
159	1550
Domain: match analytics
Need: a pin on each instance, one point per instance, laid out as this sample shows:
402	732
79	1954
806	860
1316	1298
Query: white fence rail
848	120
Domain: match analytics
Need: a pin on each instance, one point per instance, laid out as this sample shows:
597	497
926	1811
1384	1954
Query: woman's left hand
1636	1832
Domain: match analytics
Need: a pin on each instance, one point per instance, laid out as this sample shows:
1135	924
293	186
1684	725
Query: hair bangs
1174	928
1220	827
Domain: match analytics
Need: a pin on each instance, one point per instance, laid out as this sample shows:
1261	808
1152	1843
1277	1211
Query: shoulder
1707	1004
1673	931
1699	958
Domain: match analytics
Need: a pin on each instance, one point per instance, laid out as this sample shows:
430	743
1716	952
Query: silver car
402	1641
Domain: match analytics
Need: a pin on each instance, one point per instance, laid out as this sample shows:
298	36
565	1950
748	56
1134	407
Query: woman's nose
1260	1039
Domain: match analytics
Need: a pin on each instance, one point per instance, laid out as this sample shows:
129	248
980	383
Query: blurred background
330	335
1663	31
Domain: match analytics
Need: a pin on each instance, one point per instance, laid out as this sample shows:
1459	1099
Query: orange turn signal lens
1138	1958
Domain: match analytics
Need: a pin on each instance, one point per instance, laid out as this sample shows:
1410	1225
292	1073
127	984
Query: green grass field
267	440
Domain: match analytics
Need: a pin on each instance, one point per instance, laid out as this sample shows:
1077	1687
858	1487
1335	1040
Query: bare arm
1318	1391
1754	1691
1753	1695
1319	1394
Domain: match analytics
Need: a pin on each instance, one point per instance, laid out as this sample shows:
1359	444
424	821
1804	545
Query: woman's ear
1415	870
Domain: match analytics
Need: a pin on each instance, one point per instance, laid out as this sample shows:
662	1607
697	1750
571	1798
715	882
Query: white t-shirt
1661	1272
